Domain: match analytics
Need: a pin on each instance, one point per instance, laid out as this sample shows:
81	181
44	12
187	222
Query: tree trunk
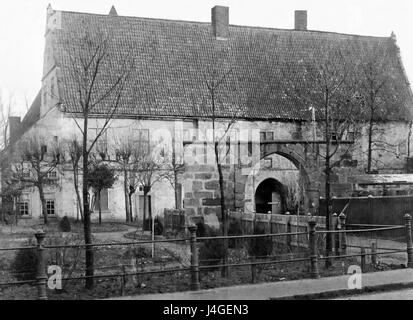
43	202
327	184
177	199
76	185
144	211
224	271
130	206
126	194
86	212
370	145
100	209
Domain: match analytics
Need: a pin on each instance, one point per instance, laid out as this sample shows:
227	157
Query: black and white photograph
217	152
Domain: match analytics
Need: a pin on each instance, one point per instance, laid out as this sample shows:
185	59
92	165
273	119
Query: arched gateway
278	181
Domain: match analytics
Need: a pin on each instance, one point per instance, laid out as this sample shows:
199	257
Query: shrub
24	264
64	225
211	251
260	247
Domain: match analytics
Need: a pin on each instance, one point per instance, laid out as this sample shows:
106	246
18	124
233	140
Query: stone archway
270	197
291	169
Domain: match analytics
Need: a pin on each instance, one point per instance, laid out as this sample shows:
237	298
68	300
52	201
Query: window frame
26	203
138	138
54	207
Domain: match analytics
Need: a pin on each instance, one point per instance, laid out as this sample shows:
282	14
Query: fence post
363	259
195	285
343	240
373	253
336	237
313	248
408	224
41	277
288	224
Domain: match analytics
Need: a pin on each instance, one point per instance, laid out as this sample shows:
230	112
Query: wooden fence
276	224
174	220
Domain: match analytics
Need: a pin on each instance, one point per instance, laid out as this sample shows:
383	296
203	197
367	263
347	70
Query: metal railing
312	255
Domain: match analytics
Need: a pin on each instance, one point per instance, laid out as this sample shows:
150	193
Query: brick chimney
301	20
14	127
220	22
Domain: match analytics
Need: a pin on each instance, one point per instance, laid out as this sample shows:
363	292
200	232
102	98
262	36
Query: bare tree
75	156
174	168
5	111
150	167
219	138
382	96
101	177
326	83
99	77
125	157
35	164
10	190
221	89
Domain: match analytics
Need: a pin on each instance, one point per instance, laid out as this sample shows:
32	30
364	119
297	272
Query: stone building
269	139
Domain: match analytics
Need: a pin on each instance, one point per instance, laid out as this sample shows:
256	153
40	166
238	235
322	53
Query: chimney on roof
14	127
301	20
220	22
113	12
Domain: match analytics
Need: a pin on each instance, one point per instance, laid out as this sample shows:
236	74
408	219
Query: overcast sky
22	26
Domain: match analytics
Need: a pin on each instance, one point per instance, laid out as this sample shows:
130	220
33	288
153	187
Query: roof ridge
231	25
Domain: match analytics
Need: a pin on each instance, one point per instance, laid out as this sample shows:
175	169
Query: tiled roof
172	58
31	117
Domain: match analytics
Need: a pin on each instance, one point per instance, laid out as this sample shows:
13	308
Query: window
50	207
267	136
141	138
101	145
24	209
249	148
102	142
52	175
